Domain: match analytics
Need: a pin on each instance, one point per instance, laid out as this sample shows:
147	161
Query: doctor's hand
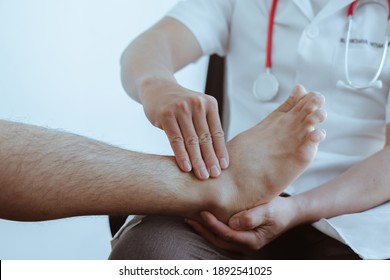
192	125
251	229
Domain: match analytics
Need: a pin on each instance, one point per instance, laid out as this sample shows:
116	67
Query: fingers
176	140
193	145
211	236
208	154
211	136
218	137
194	130
223	234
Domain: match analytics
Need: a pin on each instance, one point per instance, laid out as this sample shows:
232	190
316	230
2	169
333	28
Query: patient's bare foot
271	155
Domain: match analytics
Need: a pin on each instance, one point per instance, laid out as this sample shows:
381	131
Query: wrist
150	86
304	210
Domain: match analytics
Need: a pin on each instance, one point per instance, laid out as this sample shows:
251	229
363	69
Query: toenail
323	115
319	97
319	135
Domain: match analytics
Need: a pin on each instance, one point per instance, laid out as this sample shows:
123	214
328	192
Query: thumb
248	219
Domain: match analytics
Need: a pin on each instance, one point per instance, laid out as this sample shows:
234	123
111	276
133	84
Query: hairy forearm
46	174
362	187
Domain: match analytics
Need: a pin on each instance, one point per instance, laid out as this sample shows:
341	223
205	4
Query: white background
59	68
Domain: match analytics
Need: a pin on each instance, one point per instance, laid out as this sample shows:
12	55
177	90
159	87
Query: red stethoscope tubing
268	63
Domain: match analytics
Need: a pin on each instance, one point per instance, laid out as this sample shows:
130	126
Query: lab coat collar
306	8
330	8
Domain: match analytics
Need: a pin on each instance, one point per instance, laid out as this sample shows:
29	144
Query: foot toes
315	117
298	92
310	103
308	150
317	136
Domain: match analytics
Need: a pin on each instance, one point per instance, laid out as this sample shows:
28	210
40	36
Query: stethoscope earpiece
378	84
374	82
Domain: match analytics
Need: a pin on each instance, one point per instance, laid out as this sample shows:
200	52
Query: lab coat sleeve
208	20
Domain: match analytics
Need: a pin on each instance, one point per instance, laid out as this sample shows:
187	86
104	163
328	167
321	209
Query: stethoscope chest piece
265	87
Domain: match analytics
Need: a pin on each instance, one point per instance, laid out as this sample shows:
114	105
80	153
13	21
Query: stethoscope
266	86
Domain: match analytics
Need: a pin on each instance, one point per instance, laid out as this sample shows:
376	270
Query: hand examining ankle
191	122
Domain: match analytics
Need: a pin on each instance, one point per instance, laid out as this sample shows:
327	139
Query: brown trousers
169	238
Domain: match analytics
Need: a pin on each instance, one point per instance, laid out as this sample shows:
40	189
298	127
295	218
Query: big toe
297	94
309	104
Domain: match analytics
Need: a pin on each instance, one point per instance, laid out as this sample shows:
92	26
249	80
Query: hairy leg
271	155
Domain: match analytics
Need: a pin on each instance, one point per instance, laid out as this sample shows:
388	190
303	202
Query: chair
214	87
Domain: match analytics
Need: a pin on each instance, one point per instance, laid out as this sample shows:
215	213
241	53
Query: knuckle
198	103
218	134
212	101
183	107
192	140
247	220
176	140
181	156
205	139
167	113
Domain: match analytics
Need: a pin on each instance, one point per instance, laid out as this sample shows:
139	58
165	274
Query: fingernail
204	173
224	163
234	223
215	172
187	166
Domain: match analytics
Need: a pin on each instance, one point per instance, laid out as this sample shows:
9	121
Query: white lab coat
308	48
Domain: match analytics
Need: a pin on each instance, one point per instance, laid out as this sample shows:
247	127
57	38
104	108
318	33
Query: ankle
222	196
